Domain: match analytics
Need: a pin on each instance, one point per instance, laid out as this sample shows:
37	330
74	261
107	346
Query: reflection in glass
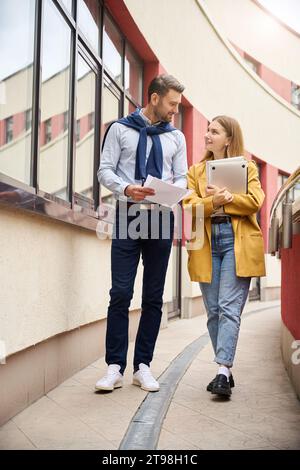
28	119
67	4
9	122
296	95
85	129
110	113
129	107
16	61
133	75
54	135
89	20
178	118
252	63
112	50
110	105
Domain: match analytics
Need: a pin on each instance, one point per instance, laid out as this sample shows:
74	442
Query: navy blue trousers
125	256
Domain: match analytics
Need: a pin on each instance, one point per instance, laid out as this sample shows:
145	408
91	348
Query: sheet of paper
166	194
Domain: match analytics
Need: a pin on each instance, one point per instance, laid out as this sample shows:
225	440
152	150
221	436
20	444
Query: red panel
84	126
19	124
290	292
269	182
126	23
194	128
57	125
2	132
238	49
279	84
42	134
151	70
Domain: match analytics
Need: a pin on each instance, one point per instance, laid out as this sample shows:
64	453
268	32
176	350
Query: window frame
83	212
295	88
9	129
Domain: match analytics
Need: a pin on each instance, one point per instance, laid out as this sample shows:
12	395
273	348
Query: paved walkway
263	412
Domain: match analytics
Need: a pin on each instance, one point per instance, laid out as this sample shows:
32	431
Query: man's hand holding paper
166	194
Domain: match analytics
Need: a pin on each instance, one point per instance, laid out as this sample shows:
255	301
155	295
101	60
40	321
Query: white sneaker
112	379
144	379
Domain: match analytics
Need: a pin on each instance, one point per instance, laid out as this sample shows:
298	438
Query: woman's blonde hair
234	131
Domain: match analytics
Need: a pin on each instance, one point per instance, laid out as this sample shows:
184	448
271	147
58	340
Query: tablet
229	172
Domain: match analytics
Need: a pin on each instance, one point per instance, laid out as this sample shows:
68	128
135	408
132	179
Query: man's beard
162	117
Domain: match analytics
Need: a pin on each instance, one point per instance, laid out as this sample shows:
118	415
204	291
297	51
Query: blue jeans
224	298
125	257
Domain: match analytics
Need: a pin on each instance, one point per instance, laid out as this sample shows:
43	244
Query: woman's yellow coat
248	240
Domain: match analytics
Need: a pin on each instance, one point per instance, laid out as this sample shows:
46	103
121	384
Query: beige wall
15	158
14	98
86	95
55	95
54	278
53	164
217	80
260	35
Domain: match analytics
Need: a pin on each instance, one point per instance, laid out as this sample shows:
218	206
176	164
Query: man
141	144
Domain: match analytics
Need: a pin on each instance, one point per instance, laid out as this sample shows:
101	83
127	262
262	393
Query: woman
233	249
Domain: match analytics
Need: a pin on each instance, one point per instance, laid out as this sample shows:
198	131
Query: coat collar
201	178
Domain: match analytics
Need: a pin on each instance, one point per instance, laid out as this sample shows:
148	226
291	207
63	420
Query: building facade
70	68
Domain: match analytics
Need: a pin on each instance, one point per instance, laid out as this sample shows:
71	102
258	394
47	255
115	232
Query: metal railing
285	215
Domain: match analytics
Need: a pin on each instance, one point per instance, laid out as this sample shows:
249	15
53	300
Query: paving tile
169	441
49	426
12	438
105	416
206	433
263	412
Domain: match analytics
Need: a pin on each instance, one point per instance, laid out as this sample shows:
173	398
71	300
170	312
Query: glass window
28	119
133	75
296	95
66	120
16	59
9	122
67	4
281	180
129	107
178	118
112	50
111	100
77	130
91	120
55	83
252	63
84	162
48	131
89	20
110	105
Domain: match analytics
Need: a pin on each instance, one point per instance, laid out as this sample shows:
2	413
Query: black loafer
221	386
211	384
